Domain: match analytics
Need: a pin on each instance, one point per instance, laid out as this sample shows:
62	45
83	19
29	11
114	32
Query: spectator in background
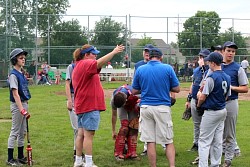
244	64
126	63
32	69
188	70
109	65
58	77
46	69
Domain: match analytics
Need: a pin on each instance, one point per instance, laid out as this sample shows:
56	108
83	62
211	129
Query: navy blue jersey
71	85
216	99
140	63
124	89
197	78
232	70
23	89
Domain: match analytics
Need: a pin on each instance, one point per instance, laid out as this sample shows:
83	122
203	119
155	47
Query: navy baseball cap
230	45
155	52
91	49
215	57
148	47
218	47
204	52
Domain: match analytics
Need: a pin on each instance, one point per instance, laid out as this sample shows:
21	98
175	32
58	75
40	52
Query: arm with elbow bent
103	60
240	89
175	89
19	104
135	91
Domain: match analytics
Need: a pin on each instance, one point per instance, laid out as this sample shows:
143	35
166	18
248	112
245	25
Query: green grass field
52	136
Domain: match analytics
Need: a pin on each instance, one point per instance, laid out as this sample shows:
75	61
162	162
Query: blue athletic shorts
89	120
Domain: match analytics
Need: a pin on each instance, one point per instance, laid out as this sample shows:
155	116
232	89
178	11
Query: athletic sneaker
82	164
23	160
227	163
13	162
196	161
144	153
118	158
74	157
194	148
237	154
93	165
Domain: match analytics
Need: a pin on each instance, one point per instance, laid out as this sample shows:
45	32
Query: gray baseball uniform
18	127
212	124
72	114
229	135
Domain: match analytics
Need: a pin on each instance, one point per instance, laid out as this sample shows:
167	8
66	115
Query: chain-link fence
164	32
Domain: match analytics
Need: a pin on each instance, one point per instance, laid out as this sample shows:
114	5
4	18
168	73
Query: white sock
88	159
78	159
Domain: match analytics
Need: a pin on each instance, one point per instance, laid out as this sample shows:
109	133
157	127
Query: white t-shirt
244	64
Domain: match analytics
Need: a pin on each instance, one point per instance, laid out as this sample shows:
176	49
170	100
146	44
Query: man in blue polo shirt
154	81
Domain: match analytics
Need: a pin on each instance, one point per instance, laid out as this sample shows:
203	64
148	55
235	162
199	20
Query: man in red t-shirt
89	98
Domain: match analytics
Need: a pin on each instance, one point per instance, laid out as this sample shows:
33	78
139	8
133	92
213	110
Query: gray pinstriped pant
18	128
73	120
196	120
229	135
211	136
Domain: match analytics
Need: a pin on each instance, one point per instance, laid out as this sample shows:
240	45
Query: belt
230	99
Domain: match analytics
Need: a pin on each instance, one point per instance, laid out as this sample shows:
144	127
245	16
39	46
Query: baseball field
51	135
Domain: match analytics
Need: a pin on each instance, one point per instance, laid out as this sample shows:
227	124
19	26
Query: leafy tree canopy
68	34
231	35
203	28
107	34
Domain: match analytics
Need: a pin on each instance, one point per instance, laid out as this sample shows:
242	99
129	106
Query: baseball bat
28	148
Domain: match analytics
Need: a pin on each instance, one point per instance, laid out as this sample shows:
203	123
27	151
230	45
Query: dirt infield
183	93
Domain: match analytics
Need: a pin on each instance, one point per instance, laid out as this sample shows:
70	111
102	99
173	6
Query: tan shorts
156	124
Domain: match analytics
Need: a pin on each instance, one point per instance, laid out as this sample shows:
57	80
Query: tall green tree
231	35
3	43
109	33
50	10
200	31
22	16
68	34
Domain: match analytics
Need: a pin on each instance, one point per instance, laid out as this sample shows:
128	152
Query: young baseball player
70	101
19	96
239	84
213	101
192	97
124	104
